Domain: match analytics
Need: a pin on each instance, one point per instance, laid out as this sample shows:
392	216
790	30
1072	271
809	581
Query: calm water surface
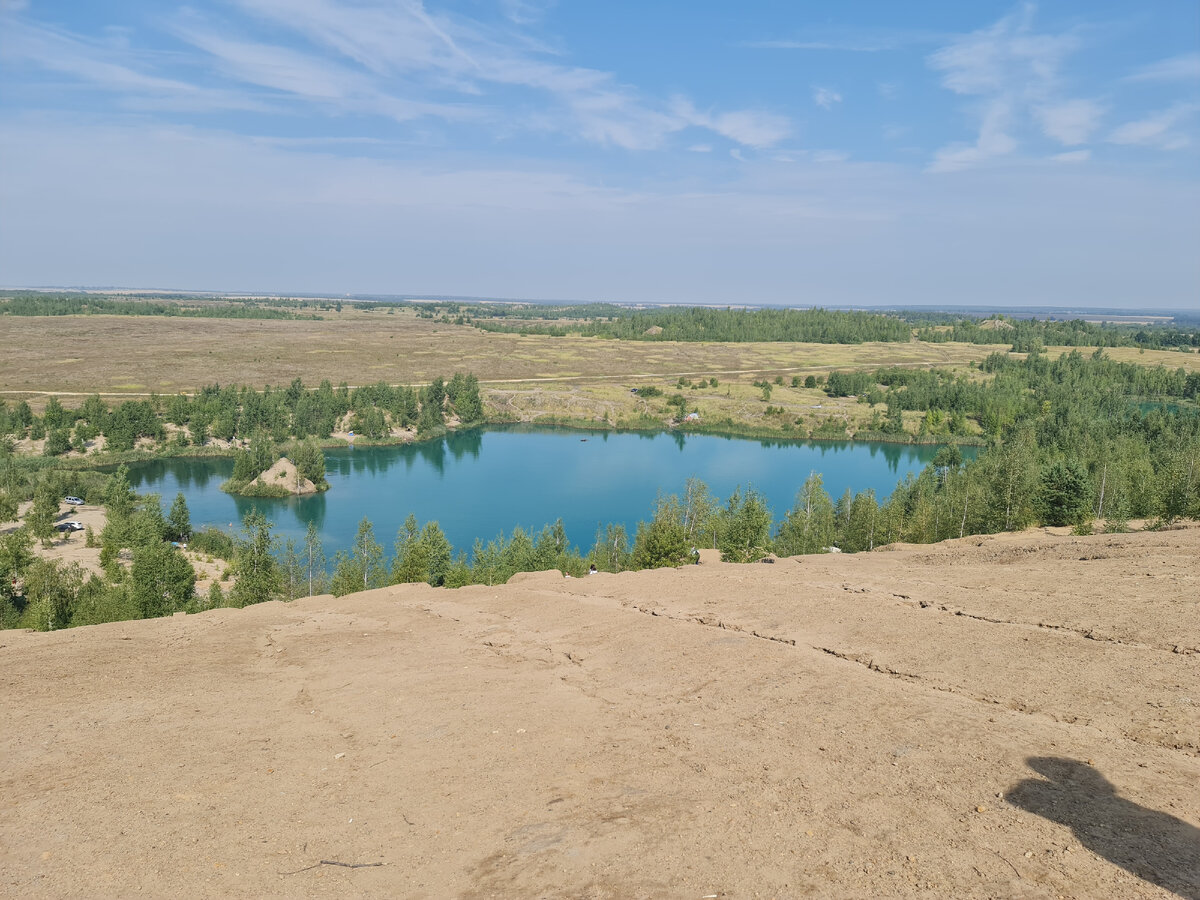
478	483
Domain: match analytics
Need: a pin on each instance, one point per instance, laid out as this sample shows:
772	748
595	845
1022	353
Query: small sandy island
283	474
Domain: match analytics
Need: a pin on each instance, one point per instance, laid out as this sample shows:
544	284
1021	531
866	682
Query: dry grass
529	378
1169	359
127	355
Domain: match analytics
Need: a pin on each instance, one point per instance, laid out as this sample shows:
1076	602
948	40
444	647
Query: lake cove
478	483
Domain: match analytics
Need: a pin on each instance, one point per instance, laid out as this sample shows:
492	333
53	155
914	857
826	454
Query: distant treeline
702	324
229	413
1028	334
683	323
46	304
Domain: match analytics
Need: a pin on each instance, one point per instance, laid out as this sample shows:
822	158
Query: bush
1065	494
212	542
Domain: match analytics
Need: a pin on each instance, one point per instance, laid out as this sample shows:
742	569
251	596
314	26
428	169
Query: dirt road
1008	716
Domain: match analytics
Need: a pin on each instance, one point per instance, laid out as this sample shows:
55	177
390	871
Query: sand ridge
1003	716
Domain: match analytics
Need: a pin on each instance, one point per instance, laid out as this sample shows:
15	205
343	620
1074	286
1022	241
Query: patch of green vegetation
30	303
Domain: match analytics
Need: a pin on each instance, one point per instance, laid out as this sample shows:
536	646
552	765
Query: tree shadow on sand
1150	844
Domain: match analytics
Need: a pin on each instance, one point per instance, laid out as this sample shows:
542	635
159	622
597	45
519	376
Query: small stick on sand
334	862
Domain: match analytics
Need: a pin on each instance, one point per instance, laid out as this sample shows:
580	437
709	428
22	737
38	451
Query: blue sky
752	152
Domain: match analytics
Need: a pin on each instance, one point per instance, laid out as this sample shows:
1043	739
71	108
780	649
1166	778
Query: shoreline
112	460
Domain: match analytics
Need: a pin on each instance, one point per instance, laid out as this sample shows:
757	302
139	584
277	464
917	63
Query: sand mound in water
284	474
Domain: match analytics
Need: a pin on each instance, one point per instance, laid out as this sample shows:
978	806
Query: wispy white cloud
1014	71
525	12
750	128
377	58
1072	122
826	97
1161	129
1073	156
460	54
113	69
1175	68
1004	58
993	141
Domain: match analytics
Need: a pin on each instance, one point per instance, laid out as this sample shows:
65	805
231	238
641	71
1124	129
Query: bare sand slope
1014	716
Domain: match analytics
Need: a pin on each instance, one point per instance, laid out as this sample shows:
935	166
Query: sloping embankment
1013	716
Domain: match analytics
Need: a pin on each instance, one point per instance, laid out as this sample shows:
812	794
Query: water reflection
478	483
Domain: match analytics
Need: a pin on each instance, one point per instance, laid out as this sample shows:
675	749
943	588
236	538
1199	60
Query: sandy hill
1008	716
284	474
996	325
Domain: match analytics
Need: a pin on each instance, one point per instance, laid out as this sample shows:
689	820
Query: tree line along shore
1078	440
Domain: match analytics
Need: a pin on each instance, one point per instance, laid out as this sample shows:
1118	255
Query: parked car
69	526
74	501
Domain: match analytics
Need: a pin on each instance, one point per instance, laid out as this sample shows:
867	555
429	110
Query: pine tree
744	527
179	521
662	541
436	550
254	565
1065	493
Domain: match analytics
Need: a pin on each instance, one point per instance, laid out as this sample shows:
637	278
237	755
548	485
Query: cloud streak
458	54
399	61
1161	129
1012	72
1177	68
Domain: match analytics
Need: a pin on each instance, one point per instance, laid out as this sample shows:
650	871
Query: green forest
740	325
680	323
47	304
1079	441
240	413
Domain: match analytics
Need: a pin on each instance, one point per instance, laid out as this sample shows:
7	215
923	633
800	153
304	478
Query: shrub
1065	494
212	542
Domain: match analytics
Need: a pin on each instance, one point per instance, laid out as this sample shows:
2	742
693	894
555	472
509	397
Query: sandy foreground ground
1007	716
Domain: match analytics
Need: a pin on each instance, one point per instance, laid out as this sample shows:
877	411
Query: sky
766	152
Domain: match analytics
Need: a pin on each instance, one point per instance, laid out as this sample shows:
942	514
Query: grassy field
574	380
124	355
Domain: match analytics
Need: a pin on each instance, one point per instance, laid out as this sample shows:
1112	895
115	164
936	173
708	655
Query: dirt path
1014	716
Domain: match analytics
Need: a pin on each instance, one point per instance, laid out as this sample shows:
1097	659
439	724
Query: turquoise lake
480	482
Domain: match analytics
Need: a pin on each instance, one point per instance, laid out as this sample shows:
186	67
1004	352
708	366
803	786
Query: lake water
477	483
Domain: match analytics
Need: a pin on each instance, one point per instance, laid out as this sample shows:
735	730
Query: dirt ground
1007	716
68	547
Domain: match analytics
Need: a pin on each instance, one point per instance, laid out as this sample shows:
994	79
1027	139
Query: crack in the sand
869	663
1088	634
